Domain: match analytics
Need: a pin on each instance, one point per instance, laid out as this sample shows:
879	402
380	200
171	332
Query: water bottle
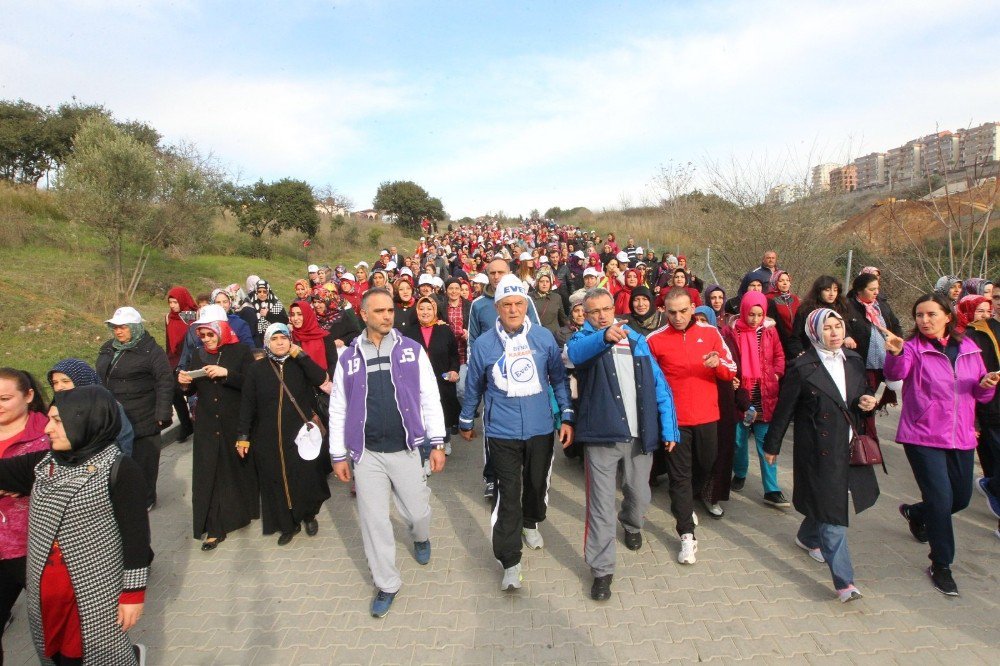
749	416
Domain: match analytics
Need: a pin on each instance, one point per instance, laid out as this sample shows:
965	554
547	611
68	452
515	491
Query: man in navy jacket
626	411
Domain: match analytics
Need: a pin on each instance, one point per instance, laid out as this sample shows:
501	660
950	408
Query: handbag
309	439
865	449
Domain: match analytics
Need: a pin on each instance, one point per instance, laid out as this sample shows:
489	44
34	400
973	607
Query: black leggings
11	584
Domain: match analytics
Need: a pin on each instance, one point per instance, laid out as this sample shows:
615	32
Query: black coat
988	413
345	330
443	353
291	489
860	329
821	470
142	381
223	485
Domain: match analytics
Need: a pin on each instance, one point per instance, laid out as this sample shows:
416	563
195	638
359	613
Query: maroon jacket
14	510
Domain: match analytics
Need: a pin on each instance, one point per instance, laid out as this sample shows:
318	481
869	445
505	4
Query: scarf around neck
516	372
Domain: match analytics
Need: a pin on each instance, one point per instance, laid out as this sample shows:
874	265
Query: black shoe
184	435
286	537
777	500
489	489
942	580
917	529
601	589
211	545
738	483
312	527
633	541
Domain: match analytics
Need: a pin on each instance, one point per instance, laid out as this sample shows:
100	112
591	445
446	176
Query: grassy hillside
54	294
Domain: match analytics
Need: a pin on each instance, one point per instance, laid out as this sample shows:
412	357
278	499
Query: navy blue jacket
601	417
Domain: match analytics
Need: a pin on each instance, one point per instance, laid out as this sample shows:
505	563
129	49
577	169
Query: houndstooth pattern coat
73	505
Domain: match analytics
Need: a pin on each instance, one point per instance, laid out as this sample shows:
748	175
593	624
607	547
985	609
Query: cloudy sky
511	105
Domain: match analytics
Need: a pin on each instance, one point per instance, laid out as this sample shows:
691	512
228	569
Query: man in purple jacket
388	377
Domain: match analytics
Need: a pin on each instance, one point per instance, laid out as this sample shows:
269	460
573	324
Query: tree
409	202
23	156
273	207
553	213
110	182
335	206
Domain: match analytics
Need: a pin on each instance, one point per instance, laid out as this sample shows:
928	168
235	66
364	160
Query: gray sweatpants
602	472
377	476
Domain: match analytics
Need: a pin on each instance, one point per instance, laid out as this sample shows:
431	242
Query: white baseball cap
360	264
126	315
622	256
405	270
312	268
481	279
425	279
525	256
590	270
437	281
510	285
578	254
349	277
543	259
384	253
638	250
391	266
210	313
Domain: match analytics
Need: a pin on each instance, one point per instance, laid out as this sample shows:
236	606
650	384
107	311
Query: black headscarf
89	415
649	317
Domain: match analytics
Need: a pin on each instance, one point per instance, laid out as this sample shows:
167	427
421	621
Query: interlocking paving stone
752	597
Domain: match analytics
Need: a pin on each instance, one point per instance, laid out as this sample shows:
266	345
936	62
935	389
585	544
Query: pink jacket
939	404
14	510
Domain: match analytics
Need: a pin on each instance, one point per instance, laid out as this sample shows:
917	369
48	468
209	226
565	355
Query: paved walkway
752	595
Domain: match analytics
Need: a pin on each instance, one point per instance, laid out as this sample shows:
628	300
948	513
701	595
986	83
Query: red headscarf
746	335
966	310
310	336
176	327
225	333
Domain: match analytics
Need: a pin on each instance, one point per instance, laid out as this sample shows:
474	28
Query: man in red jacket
692	357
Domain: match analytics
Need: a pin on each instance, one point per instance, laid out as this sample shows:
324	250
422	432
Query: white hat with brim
590	270
481	279
578	254
348	277
405	270
437	281
125	315
360	264
312	268
510	285
622	257
209	314
525	256
425	279
391	266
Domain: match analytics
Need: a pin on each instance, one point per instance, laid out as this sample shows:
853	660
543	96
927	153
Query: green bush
373	236
252	248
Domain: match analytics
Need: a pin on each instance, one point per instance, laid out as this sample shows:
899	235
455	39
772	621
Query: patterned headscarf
814	326
272	330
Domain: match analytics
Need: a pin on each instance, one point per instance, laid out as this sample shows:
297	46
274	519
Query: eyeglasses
608	310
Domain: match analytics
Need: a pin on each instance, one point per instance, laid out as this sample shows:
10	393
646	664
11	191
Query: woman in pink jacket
762	365
943	378
22	430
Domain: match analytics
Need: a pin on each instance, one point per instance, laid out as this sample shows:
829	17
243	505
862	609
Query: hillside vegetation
54	294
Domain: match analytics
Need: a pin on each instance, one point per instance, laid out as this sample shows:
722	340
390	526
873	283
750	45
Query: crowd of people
545	333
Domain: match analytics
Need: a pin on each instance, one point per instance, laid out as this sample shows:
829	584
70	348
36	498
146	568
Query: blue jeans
741	458
832	542
945	480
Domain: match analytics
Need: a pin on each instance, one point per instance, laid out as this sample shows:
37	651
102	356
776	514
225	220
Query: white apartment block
979	145
872	171
821	176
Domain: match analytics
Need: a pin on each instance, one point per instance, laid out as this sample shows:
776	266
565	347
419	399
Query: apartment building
941	152
821	176
871	171
905	164
979	145
844	179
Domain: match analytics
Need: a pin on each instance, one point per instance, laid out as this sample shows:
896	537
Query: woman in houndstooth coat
88	544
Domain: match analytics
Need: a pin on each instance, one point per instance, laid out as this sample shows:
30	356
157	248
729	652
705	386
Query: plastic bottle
749	416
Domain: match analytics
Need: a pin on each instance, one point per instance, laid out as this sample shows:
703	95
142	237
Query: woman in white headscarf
826	393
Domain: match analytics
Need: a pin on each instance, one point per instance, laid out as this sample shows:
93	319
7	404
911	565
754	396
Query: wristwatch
439	447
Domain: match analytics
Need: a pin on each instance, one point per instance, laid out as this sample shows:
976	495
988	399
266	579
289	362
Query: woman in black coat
136	371
292	489
223	485
822	389
436	337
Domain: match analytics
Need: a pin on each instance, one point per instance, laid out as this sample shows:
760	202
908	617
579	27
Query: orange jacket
681	356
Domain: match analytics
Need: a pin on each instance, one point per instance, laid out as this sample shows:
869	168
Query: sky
512	106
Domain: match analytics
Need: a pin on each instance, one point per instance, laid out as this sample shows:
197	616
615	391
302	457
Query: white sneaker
814	553
512	578
694	517
532	538
689	546
715	510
